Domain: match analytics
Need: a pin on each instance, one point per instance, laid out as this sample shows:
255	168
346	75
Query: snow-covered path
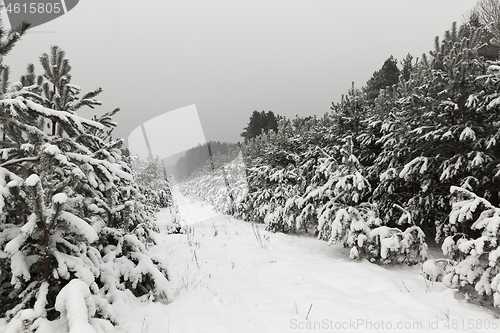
225	281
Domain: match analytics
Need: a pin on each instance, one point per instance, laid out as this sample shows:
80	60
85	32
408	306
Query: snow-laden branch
19	161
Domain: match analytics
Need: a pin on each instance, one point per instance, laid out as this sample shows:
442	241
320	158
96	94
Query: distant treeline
198	157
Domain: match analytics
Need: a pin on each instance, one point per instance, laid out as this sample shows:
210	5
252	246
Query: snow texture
60	198
32	180
76	306
226	282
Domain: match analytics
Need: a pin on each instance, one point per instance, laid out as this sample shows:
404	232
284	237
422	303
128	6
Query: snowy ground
225	281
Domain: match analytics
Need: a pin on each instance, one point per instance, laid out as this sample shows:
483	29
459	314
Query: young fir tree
73	223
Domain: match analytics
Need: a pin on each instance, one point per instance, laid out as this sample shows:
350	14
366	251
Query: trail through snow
225	281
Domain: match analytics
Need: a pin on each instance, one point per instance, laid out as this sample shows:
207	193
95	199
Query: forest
410	159
407	163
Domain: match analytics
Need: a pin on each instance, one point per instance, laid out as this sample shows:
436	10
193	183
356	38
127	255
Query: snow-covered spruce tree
73	230
476	258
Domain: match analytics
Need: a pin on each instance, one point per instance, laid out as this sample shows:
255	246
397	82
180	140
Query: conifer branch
19	161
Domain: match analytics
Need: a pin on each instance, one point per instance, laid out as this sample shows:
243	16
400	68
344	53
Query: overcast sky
230	57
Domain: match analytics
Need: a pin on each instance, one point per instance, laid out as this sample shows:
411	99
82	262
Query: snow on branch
80	226
76	305
112	167
19	161
64	116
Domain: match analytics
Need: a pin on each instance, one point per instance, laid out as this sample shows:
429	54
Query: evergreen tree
408	65
156	190
73	222
260	122
385	77
429	144
475	268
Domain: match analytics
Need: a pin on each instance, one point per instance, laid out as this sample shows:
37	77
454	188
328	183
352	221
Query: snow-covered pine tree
279	166
73	227
156	194
356	223
343	217
476	256
339	181
473	226
388	128
432	141
257	153
349	114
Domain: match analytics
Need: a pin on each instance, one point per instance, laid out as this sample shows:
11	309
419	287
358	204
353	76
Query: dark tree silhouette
383	78
260	122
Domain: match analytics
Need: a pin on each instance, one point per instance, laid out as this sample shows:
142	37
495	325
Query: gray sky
230	57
